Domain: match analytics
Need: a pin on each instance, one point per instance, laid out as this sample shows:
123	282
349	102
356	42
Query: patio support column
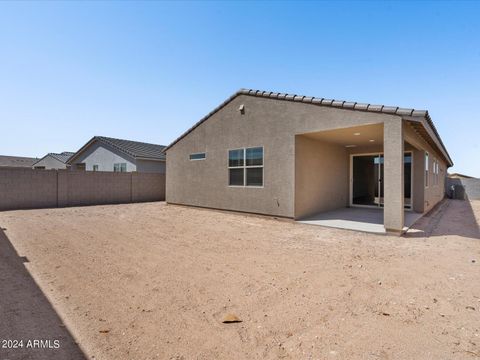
393	214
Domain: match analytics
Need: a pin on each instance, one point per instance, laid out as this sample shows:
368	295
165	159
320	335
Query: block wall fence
471	187
32	188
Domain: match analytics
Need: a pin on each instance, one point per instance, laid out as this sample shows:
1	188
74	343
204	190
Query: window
435	171
254	166
80	166
95	167
198	156
426	169
120	167
245	167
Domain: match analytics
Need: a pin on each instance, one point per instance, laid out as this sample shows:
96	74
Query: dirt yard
154	281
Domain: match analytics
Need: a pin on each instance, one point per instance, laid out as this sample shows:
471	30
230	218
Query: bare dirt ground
154	281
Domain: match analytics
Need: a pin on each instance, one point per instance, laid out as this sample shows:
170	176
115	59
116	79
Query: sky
147	71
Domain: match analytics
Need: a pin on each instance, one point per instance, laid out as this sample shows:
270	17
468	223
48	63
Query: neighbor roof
349	105
62	157
458	175
135	149
17	161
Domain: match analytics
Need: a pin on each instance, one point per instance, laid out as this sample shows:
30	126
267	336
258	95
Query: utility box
457	192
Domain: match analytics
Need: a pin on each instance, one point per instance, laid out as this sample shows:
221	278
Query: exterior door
367	180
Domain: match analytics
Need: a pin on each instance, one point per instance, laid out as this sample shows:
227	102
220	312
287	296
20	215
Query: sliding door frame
379	206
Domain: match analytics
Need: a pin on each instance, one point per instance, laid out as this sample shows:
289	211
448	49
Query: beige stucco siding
425	197
268	123
205	182
321	176
393	179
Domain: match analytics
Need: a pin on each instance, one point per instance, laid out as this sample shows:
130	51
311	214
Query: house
459	176
53	161
297	156
108	154
17	161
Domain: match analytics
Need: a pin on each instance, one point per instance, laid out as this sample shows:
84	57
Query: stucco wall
49	162
321	176
433	193
104	156
268	123
418	181
29	188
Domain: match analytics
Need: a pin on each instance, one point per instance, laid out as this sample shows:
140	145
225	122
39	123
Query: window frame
120	167
426	173
245	167
198	153
95	167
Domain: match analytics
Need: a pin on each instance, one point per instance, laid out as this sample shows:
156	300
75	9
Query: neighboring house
296	156
108	154
460	176
17	161
53	161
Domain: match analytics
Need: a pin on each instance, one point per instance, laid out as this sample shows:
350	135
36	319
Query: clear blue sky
148	71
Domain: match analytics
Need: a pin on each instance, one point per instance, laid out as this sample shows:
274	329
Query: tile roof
349	105
135	149
458	175
63	156
17	161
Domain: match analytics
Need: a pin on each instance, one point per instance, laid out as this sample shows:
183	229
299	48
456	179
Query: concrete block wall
30	188
471	186
148	187
86	188
22	188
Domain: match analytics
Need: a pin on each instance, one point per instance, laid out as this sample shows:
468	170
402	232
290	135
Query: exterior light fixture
356	134
241	108
371	140
350	146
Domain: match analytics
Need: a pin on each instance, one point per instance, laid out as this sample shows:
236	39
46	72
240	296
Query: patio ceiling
365	135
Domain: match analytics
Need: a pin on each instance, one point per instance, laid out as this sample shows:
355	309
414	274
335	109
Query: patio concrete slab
358	219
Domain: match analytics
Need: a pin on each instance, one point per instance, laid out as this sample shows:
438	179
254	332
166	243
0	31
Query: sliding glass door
407	180
367	180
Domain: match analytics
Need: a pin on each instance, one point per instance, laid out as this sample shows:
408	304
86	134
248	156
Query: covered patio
366	178
358	219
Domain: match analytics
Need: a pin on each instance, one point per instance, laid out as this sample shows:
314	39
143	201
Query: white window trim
426	172
198	153
245	167
120	167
